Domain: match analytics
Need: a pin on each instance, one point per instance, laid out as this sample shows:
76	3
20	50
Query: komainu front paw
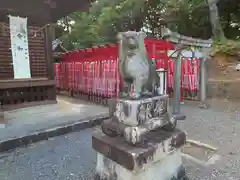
135	95
109	128
132	135
171	125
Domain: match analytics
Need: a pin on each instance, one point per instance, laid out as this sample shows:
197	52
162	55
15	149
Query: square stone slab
155	147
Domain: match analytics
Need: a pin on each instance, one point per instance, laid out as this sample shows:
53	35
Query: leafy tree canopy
188	17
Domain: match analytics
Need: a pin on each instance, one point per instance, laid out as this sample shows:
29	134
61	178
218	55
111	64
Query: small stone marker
2	120
238	67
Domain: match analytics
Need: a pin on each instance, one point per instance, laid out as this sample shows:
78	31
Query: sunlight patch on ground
200	153
66	106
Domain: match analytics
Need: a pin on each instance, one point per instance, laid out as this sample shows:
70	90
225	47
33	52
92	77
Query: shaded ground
71	156
28	120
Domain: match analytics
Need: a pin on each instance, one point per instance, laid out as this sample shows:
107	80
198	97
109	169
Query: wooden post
49	59
49	56
177	83
203	85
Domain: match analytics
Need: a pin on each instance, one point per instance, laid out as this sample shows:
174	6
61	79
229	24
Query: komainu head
131	40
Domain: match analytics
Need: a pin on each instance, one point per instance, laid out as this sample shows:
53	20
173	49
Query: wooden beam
33	82
48	51
185	40
49	57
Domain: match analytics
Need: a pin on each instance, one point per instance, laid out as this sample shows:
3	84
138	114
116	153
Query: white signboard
19	47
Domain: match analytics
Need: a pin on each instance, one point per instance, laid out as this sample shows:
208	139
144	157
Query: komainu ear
119	36
141	34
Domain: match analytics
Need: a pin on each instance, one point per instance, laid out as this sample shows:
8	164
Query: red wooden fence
93	72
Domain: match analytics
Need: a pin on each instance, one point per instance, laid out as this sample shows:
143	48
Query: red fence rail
92	72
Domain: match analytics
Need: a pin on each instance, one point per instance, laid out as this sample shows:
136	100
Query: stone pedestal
134	118
156	158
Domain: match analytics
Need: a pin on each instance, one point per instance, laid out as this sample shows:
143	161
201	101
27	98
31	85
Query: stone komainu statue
134	67
144	109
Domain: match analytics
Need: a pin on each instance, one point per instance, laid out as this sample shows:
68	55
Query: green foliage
192	19
102	23
83	33
188	17
228	47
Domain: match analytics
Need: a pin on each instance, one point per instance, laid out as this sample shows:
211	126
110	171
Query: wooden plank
6	77
38	60
38	57
37	39
15	83
6	70
36	48
37	52
39	76
5	50
6	62
39	66
36	44
6	56
40	73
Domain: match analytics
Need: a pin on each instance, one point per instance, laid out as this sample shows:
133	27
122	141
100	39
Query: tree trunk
217	30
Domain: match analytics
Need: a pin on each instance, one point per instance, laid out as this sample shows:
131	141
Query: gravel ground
218	126
71	157
67	157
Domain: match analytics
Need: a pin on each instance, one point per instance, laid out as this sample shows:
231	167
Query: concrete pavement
33	124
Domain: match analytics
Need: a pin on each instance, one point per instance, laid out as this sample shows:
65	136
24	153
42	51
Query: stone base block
135	118
170	168
157	158
133	112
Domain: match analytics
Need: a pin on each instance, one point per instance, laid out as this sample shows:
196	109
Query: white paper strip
161	73
186	54
19	47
